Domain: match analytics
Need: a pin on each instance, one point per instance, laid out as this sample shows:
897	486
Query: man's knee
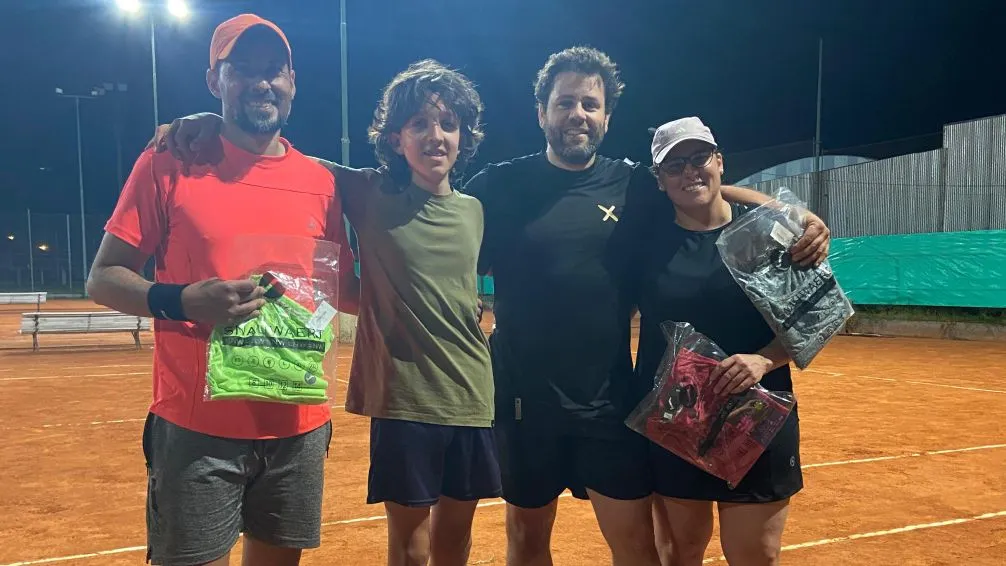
530	529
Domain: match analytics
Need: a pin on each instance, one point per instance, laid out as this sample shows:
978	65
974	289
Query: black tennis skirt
775	476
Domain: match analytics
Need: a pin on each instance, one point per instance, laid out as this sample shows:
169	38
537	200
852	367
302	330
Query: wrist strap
165	301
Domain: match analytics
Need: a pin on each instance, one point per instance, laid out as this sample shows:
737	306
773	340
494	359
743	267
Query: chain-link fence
47	252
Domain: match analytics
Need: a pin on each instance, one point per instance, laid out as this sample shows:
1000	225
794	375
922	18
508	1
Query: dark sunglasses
698	160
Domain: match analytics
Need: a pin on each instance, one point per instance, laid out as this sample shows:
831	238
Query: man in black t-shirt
557	246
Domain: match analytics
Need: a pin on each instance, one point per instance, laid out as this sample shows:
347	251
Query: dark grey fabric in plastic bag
804	306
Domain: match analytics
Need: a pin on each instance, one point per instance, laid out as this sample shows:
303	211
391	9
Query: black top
683	279
555	244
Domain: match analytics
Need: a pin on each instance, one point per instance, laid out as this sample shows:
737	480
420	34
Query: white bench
24	299
36	323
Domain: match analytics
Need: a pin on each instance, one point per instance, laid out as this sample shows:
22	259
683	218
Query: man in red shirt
217	468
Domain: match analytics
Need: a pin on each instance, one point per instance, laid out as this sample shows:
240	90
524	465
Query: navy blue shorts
414	464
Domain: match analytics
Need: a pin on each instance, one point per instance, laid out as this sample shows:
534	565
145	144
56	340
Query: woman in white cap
682	278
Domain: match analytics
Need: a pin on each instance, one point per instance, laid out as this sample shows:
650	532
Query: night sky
893	70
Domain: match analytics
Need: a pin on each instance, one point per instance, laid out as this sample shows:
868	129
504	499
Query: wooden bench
36	323
24	299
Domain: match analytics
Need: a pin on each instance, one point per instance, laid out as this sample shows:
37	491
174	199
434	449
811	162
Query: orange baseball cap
228	33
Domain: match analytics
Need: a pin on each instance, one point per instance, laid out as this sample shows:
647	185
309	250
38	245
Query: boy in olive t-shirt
421	367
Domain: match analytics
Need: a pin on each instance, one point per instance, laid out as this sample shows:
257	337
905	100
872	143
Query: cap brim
659	157
229	46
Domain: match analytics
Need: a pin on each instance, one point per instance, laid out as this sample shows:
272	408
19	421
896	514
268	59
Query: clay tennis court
903	443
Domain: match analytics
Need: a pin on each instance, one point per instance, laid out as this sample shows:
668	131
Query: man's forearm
119	288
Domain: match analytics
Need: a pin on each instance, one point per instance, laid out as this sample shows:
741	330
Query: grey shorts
203	491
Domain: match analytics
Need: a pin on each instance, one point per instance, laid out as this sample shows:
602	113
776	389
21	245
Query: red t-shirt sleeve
138	218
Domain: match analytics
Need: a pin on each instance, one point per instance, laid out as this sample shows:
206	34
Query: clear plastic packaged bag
724	435
805	307
288	353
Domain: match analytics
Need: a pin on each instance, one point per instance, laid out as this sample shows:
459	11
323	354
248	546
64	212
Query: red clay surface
904	452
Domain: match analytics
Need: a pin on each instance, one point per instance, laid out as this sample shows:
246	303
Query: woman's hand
738	373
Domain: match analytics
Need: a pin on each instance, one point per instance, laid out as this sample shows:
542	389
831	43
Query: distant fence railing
959	187
47	252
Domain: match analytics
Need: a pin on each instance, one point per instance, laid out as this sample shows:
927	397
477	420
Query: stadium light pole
343	48
95	93
179	10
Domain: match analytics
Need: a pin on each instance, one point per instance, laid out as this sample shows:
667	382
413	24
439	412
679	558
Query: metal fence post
69	256
31	253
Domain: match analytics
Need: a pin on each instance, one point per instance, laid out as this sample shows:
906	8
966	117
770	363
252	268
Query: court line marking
876	534
73	376
94	423
904	456
1000	391
497	502
98	554
913	382
787	548
148	366
490	503
877	378
831	373
102	423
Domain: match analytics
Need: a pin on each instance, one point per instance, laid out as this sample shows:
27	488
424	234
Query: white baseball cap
677	131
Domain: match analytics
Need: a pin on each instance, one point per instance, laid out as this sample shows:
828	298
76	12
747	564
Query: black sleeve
479	187
645	207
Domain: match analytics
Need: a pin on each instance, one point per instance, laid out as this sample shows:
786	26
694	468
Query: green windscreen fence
944	269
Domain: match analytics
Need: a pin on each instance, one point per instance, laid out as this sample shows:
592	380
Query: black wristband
165	301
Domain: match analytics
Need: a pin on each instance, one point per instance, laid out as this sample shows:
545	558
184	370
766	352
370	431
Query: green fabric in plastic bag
274	357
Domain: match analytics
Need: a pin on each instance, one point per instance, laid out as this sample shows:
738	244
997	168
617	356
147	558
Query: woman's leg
691	526
751	533
662	532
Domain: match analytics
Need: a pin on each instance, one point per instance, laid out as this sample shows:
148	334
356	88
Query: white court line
340	380
913	382
876	378
810	544
956	387
491	503
79	556
831	373
73	376
95	423
497	502
102	423
875	534
903	456
147	365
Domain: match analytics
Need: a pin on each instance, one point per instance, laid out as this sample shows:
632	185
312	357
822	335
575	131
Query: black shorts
414	464
538	462
775	476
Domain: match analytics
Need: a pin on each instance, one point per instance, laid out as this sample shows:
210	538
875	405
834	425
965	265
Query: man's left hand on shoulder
812	248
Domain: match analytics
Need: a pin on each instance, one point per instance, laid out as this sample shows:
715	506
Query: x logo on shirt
609	212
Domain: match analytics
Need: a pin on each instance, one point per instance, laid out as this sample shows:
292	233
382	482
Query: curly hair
584	60
406	95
